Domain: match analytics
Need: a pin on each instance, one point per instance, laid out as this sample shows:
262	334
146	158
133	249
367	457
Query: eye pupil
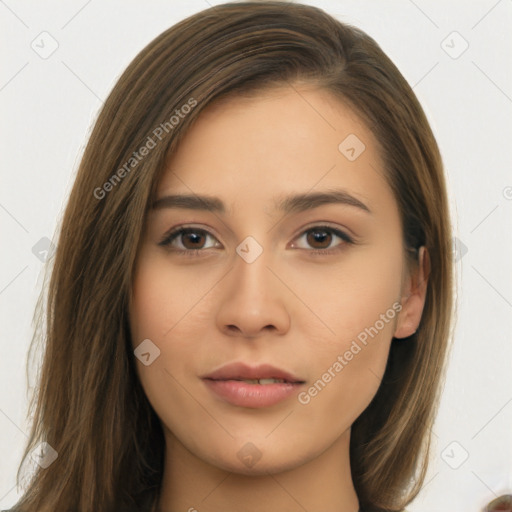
319	235
192	236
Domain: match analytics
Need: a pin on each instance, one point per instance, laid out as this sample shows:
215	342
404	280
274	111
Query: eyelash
175	233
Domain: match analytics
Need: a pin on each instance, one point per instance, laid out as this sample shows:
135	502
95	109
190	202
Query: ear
414	292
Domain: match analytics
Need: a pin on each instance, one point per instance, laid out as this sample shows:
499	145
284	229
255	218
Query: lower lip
242	394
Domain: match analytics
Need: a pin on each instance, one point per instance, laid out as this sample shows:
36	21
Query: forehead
283	140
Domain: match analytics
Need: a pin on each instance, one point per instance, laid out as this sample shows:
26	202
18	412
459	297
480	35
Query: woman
251	298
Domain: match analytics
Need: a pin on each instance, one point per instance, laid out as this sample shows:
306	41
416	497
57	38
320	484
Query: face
314	288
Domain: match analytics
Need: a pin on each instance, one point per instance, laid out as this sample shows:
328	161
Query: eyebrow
288	204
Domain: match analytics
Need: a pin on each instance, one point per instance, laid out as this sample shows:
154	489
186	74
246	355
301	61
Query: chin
252	462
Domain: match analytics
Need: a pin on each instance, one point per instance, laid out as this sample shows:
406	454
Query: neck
322	484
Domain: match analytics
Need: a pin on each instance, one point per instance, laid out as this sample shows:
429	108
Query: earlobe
413	297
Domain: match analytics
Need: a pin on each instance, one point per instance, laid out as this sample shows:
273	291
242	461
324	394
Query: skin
288	308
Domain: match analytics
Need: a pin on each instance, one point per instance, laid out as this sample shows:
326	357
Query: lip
227	385
233	371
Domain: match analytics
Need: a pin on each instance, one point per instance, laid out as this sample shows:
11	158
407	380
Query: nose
252	302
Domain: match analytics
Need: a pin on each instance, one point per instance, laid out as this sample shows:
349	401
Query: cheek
349	336
160	311
346	373
161	298
170	308
348	296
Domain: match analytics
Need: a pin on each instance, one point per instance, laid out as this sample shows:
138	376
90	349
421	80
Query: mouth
254	387
263	382
263	374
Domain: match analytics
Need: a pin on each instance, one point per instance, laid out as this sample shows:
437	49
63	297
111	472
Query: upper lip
234	371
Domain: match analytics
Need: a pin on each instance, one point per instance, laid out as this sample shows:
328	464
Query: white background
49	105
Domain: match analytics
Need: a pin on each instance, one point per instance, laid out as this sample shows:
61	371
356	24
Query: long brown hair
89	405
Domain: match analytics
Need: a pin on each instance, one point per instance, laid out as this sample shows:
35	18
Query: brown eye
322	239
319	236
193	239
187	239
